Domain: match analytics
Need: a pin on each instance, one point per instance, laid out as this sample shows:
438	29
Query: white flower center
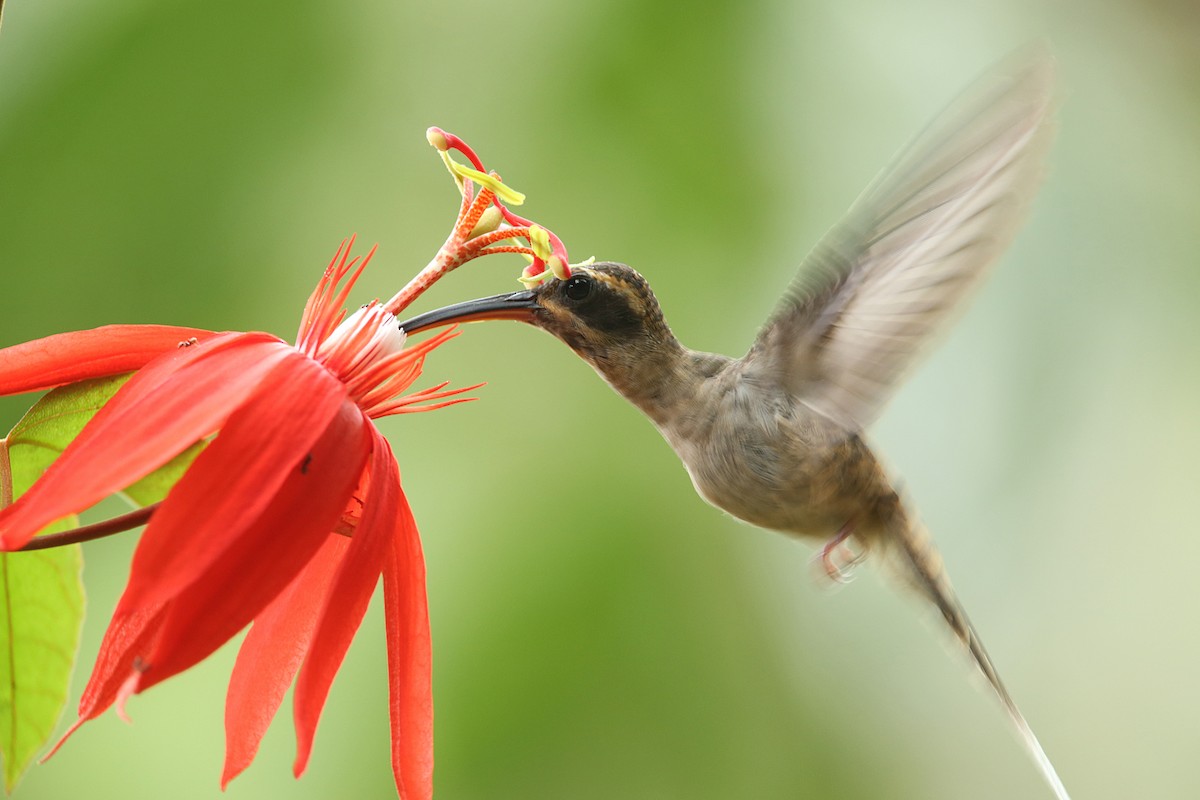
364	338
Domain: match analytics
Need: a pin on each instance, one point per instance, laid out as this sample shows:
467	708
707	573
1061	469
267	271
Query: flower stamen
478	226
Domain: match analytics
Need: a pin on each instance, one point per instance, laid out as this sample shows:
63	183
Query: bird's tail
921	564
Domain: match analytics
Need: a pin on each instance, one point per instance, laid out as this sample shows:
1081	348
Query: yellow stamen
539	241
556	266
489	221
531	280
450	165
509	195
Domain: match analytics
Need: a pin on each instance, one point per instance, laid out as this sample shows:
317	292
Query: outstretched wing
912	247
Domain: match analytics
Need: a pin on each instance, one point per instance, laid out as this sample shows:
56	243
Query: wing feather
882	282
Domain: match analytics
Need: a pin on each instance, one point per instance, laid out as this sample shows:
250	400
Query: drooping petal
267	554
126	637
348	597
271	654
410	660
175	401
69	357
263	444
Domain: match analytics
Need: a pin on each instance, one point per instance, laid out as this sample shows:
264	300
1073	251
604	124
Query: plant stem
6	486
99	530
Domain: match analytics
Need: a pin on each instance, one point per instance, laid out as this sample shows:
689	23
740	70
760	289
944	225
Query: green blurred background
599	631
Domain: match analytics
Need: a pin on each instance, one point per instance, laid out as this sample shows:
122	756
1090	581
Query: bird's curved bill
515	305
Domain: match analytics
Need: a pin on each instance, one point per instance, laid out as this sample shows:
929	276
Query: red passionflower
245	534
250	533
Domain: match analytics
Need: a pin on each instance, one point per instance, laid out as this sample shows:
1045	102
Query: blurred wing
917	241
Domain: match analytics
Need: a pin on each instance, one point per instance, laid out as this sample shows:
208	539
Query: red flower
245	535
249	533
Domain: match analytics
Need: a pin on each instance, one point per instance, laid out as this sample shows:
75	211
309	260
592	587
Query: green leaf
51	425
41	614
56	419
154	487
41	592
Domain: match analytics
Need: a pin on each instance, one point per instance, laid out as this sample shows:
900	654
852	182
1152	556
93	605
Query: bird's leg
837	557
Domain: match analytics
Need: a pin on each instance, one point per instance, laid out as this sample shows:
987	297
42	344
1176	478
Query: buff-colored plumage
775	438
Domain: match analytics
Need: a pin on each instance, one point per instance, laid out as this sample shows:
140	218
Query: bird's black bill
516	305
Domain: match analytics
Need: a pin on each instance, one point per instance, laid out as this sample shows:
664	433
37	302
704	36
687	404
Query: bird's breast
769	460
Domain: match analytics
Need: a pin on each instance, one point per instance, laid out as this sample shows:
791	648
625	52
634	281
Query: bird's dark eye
577	288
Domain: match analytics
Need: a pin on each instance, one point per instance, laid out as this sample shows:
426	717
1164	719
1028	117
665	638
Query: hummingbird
776	438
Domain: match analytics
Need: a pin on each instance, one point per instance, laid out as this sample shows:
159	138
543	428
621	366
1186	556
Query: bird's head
604	312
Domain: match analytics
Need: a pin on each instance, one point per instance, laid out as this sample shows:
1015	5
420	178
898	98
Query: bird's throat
660	381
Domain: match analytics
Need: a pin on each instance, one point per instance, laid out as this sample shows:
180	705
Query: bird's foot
838	558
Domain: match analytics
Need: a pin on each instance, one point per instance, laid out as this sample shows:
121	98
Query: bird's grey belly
782	467
768	500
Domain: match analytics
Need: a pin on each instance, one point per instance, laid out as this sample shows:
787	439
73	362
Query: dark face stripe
621	304
620	312
610	313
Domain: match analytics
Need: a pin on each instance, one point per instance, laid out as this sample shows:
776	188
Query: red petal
176	400
264	443
410	659
348	597
271	654
69	357
249	565
128	635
